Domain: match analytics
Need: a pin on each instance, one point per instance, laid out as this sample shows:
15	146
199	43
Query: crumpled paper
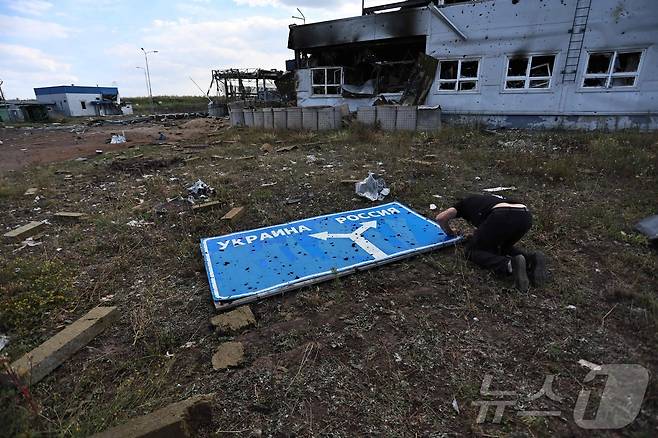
373	187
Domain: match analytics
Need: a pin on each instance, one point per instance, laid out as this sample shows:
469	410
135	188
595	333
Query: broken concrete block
38	363
25	231
205	206
65	216
229	354
233	214
31	191
234	320
177	420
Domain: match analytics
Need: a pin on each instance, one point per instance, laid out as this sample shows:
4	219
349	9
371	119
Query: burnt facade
514	63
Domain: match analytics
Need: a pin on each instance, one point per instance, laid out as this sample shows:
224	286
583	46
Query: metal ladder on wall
581	15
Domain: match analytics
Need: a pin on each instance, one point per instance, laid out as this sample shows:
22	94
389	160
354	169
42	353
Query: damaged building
79	101
504	63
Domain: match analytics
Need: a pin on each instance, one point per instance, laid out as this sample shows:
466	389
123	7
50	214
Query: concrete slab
233	321
25	231
177	420
38	363
205	206
66	216
233	214
228	354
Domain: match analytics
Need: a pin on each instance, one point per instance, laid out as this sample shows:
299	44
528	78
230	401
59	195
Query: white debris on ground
138	223
118	138
498	189
373	187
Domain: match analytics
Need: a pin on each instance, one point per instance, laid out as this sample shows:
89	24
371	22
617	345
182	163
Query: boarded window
327	81
529	72
612	69
459	75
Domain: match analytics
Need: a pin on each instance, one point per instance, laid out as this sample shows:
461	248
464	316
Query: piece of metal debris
199	190
373	187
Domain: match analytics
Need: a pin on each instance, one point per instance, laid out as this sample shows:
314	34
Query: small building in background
18	111
76	101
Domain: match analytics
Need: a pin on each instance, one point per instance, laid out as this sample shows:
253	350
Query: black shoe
537	269
519	273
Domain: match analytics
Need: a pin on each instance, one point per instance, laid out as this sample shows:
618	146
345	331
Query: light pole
146	81
148	76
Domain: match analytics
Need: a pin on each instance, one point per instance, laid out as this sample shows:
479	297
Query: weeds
28	289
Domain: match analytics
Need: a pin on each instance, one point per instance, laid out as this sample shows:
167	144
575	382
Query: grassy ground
383	352
169	104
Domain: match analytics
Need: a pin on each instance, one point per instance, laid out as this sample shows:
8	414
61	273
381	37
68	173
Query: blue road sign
270	260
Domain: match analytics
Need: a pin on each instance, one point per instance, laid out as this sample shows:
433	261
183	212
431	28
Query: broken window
459	75
327	81
529	72
612	69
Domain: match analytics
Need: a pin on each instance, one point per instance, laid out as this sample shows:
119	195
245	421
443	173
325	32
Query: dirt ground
42	144
400	350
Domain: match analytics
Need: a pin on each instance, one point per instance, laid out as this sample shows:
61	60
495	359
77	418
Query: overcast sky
97	42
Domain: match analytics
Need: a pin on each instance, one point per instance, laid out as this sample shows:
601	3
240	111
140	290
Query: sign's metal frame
319	277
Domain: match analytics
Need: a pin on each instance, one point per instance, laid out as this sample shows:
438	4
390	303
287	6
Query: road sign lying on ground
253	264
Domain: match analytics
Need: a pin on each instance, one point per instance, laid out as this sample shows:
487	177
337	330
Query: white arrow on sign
356	237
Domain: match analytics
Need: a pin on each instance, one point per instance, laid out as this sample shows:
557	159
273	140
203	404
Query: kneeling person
500	223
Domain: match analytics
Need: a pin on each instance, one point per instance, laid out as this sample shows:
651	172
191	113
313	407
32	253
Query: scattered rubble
233	321
24	231
228	354
38	363
65	216
206	206
233	214
178	420
199	190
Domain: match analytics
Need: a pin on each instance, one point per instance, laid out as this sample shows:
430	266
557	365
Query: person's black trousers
492	244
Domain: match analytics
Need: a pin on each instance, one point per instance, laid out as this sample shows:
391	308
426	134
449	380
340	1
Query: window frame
459	79
326	84
527	78
610	75
83	104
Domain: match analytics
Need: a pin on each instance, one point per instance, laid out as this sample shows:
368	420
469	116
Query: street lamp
148	76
